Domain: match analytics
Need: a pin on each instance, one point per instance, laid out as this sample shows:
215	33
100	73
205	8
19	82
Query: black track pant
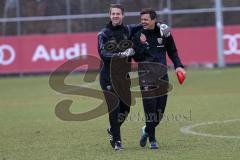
154	109
119	114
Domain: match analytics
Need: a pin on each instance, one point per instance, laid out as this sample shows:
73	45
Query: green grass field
30	129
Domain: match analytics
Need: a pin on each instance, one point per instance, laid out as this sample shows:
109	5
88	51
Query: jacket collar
109	25
152	31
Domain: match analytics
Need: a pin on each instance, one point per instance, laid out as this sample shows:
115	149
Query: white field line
189	129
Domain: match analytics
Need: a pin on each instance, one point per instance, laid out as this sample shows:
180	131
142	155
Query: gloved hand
164	30
128	52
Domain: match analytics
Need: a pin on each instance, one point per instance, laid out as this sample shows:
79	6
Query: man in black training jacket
151	44
114	42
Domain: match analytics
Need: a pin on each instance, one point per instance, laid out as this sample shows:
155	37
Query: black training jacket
114	34
155	48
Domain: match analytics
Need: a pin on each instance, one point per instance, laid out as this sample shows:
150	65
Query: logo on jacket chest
159	40
143	40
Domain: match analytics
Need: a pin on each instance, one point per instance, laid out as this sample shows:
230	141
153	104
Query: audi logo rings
7	54
233	44
112	46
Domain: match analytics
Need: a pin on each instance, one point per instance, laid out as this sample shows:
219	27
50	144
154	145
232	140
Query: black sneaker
144	137
153	145
118	146
111	138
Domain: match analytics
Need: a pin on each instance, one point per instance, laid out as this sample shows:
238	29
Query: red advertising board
44	53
